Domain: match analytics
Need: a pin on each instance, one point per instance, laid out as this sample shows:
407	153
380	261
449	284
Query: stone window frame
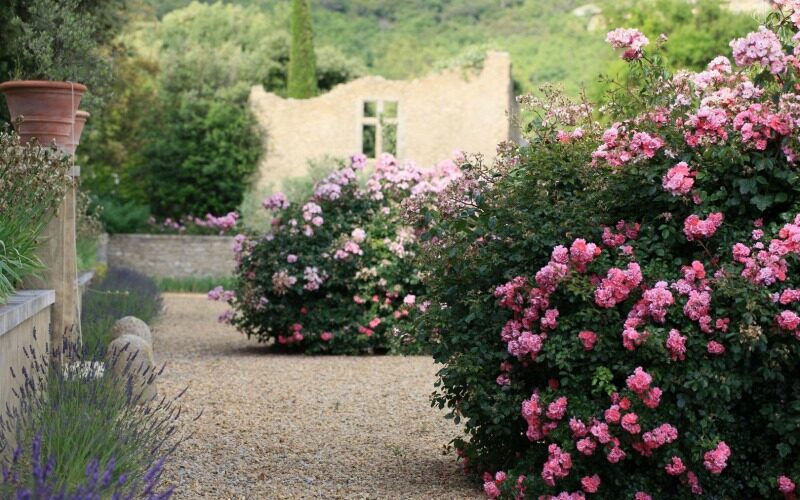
378	121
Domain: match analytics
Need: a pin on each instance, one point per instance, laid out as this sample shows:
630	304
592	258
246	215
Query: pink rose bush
210	224
617	311
335	274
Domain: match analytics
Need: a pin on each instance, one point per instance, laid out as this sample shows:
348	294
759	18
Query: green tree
203	155
302	62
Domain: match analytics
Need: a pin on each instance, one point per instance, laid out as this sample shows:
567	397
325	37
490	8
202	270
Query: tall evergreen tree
302	62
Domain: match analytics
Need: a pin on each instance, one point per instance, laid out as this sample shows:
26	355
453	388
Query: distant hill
549	40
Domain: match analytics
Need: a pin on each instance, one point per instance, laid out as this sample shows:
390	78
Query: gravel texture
290	426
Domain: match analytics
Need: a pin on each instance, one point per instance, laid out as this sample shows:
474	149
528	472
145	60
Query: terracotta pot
47	110
80	121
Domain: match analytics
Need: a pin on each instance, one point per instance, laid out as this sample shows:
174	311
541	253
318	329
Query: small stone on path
131	325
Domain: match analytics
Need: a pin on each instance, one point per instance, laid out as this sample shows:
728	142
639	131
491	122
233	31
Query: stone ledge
24	305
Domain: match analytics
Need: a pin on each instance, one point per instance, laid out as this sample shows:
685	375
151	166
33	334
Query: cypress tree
302	62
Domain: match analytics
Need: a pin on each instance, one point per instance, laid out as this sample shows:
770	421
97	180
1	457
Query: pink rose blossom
588	338
615	455
557	466
675	467
630	423
679	179
586	446
786	485
557	409
696	228
612	415
716	460
714	347
632	40
590	484
694	483
640	381
762	47
676	344
277	201
491	489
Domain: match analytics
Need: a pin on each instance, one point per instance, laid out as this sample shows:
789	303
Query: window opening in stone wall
368	140
390	109
389	138
379	128
370	109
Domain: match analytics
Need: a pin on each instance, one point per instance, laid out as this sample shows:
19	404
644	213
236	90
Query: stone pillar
59	256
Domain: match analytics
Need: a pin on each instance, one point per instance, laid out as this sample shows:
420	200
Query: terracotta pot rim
82	114
47	84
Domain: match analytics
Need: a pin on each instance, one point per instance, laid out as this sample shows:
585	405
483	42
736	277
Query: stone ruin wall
456	109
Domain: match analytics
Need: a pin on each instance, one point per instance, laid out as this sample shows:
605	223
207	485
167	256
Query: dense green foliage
538	359
69	40
180	140
412	37
202	157
302	62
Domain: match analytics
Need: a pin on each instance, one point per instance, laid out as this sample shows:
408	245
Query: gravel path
280	426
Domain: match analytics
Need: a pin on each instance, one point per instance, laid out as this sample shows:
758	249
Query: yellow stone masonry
455	109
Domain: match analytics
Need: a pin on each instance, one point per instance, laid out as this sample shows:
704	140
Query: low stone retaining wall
172	256
25	311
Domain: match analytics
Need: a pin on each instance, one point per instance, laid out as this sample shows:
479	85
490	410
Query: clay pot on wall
80	121
47	110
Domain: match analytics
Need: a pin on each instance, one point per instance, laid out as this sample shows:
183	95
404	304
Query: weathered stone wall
25	311
172	256
436	115
750	6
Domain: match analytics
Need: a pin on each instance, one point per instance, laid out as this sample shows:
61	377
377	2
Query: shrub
615	306
209	225
88	431
334	275
123	217
121	292
33	181
203	156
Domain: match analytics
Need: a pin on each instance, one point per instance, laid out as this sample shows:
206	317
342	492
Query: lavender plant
98	483
79	417
121	292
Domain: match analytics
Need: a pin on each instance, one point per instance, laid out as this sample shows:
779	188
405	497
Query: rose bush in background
335	274
189	224
616	303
